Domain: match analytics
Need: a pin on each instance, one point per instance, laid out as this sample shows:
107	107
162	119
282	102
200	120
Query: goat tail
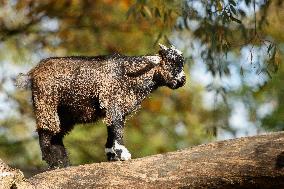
23	81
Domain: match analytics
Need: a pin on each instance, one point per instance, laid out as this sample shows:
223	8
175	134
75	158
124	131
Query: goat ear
176	50
163	47
155	60
138	68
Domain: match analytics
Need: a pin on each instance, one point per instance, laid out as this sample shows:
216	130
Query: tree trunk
250	162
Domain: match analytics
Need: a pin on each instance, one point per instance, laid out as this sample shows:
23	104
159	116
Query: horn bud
163	47
176	50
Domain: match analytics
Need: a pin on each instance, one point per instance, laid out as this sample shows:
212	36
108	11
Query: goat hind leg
53	150
59	150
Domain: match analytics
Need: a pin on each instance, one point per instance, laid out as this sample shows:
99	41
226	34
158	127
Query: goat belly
81	112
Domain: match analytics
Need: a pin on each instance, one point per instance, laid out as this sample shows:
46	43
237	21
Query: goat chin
176	83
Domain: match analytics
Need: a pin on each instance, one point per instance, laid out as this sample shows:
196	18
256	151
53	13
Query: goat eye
178	70
180	61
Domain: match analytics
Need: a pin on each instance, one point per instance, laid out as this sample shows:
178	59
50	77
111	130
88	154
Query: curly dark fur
70	90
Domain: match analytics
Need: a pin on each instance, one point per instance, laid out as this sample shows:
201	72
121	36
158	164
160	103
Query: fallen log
249	162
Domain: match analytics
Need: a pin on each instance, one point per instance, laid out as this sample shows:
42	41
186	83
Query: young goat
70	90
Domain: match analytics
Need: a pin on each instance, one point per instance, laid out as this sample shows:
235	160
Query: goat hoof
117	153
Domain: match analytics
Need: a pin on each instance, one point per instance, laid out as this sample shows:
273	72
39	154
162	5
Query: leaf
233	10
186	23
227	71
157	12
165	18
219	6
274	60
158	38
242	13
235	20
268	73
147	11
225	17
131	11
142	13
232	2
269	48
209	87
242	71
273	53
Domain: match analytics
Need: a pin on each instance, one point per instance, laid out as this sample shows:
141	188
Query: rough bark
250	162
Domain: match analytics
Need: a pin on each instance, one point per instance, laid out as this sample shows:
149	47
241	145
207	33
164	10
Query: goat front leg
114	148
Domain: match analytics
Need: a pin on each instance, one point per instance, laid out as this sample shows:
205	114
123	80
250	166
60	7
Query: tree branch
250	162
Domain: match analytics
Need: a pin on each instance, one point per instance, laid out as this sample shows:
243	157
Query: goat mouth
177	83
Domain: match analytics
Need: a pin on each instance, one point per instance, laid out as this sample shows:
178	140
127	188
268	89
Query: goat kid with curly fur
71	90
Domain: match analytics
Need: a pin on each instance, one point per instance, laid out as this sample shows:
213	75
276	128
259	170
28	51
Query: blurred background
234	53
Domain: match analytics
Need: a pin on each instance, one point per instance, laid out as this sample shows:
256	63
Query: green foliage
222	26
168	120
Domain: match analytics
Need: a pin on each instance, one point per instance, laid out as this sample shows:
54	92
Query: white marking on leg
109	150
125	155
